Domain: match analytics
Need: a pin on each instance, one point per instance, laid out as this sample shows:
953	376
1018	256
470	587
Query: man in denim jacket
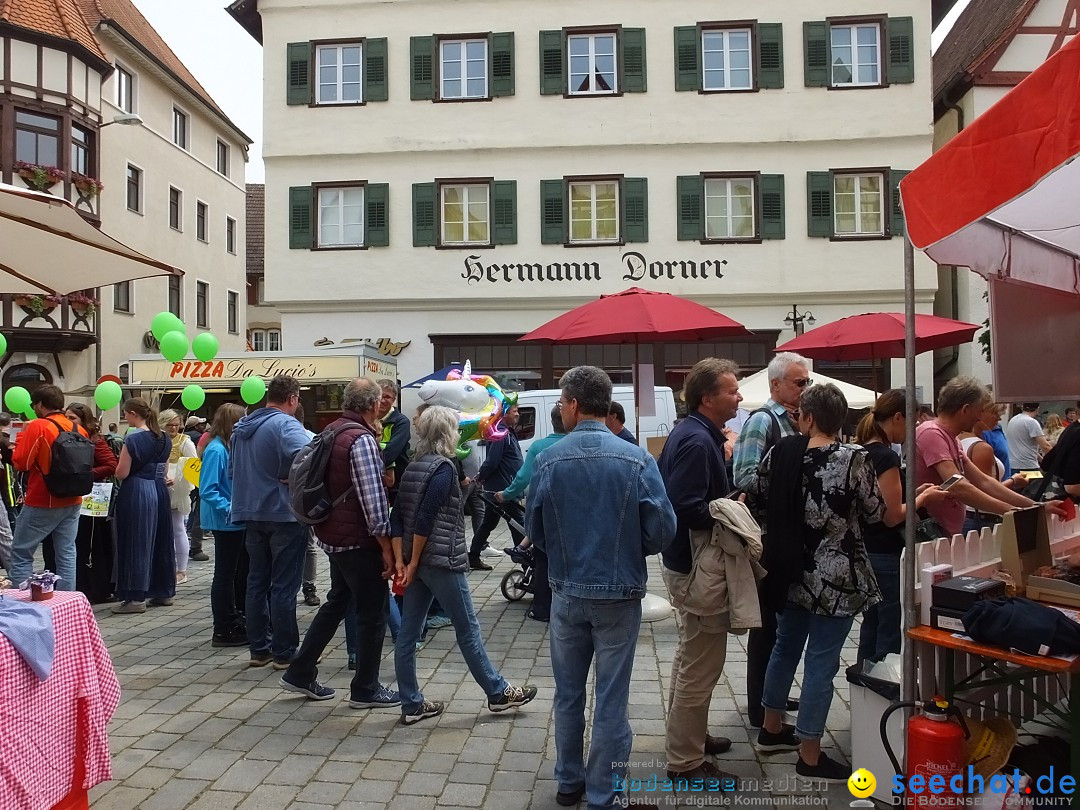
597	508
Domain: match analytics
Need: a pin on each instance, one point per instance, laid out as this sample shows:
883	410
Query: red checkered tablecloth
39	720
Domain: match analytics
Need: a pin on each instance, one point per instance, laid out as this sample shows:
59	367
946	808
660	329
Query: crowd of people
782	529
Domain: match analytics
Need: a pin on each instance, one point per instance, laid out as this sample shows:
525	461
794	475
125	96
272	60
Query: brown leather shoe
713	780
716	745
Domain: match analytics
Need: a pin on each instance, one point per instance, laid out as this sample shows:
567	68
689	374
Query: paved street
198	729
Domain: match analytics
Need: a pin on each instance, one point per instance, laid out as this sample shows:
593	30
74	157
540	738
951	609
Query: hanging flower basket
40	178
82	303
86	185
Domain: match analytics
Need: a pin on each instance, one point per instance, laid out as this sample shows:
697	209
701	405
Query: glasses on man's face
802	382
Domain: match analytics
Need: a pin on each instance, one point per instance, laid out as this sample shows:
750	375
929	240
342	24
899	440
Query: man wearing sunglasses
789	376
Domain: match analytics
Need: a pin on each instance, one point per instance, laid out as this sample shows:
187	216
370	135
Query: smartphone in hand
948	483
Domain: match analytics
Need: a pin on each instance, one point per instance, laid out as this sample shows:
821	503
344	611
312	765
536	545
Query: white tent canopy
47	247
755	390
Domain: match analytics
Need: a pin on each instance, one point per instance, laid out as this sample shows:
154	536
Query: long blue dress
144	539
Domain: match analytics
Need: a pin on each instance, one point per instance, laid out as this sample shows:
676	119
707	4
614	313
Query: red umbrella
636	316
876	335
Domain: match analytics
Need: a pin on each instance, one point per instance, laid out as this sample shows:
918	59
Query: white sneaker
491	553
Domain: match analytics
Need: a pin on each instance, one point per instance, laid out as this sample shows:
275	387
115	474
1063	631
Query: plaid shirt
366	469
750	447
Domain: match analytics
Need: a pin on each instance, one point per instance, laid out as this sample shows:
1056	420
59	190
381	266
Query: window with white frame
202	304
338	74
726	59
859	204
234	312
134	189
201	214
592	64
466	218
176	209
729	208
856	55
594	211
230	235
180	128
463	68
341	216
176	295
223	158
125	90
122	297
266	340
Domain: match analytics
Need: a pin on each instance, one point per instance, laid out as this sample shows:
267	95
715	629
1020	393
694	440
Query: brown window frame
617	30
314	68
730	25
886	201
756	177
595	178
436	68
315	188
461	181
883	63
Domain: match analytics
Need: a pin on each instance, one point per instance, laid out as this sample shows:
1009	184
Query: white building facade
442	178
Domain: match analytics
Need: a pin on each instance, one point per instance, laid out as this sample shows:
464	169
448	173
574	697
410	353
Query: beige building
173	183
440	192
992	47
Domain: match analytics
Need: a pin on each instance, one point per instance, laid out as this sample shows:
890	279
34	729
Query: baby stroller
517	581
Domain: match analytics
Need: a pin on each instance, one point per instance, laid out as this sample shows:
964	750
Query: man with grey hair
789	375
356	538
396	433
596	508
939	455
694	470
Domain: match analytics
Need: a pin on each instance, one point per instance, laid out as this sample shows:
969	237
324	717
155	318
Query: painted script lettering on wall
634	267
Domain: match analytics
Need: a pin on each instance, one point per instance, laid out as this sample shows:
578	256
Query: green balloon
174	346
107	395
193	397
205	346
252	389
3	344
165	322
17	399
30	416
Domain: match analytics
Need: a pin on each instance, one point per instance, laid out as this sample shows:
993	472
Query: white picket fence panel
979	554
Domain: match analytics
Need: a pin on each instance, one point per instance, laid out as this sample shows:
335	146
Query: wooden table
993	672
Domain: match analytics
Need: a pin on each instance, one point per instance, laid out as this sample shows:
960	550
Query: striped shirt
366	469
750	447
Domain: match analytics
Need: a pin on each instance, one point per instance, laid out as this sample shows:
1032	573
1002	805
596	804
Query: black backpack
71	468
309	492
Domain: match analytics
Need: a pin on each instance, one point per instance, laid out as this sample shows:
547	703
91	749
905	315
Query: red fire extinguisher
935	747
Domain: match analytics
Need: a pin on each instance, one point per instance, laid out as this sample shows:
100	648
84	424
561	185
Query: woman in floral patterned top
818	493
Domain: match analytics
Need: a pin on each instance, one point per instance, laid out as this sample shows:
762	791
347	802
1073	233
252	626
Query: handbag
928	529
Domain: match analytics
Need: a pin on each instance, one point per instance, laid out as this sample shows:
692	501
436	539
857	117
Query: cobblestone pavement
197	729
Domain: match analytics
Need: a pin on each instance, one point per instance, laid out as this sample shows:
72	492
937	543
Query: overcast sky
222	56
228	62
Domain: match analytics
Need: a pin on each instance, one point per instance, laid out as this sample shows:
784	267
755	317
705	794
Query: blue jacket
597	508
215	488
524	475
502	463
263	446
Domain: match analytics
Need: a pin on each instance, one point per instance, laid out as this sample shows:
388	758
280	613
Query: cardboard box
951	621
1025	547
960	593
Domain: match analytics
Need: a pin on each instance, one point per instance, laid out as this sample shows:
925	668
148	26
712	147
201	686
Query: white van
534	409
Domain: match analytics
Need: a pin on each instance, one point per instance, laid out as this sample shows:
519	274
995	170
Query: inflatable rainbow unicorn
479	401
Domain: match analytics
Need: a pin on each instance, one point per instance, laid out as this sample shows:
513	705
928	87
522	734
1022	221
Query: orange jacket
33	454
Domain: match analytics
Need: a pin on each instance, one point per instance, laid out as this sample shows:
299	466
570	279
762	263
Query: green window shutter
501	49
424	230
770	55
635	209
895	176
901	34
690	190
298	84
553	212
377	214
772	206
301	200
687	58
421	59
632	62
552	64
816	54
375	82
819	215
504	212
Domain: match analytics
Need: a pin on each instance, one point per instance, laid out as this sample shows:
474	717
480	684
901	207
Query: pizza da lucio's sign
228	371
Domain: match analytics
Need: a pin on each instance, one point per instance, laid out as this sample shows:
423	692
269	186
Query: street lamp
125	120
797	319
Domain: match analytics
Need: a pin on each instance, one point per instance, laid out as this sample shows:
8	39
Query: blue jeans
822	636
581	630
880	633
275	568
451	588
34	525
